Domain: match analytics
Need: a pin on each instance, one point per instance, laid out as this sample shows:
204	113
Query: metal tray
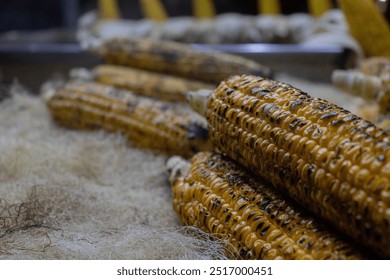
34	57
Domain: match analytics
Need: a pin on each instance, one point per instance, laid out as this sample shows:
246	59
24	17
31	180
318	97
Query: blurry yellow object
154	9
108	9
368	26
270	7
318	7
203	8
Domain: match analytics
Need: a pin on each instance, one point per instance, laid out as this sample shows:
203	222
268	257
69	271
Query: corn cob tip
198	100
176	167
82	74
356	83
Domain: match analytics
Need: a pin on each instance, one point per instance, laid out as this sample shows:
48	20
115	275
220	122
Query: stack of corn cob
323	157
269	154
162	73
370	81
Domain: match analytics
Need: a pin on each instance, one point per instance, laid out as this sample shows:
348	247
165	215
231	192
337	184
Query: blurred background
47	33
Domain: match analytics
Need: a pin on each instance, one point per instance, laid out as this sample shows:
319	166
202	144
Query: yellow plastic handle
108	9
318	7
154	10
203	8
269	7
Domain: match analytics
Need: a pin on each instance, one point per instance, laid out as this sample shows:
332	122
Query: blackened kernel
265	230
229	91
329	115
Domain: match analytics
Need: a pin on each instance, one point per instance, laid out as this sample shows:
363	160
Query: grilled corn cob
323	156
177	59
368	26
147	83
145	122
217	196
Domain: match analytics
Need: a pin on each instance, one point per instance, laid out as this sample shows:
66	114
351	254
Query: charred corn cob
217	196
145	122
368	26
147	83
323	156
177	59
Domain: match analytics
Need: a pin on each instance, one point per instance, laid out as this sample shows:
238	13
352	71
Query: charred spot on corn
196	130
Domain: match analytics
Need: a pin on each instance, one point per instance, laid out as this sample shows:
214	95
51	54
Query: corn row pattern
146	123
177	59
147	83
323	156
219	197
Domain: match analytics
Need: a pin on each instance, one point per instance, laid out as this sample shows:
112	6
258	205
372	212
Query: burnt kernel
259	226
196	130
329	115
381	158
294	123
264	205
228	217
243	252
310	170
309	245
229	91
265	230
351	118
251	215
285	223
255	90
302	240
295	105
337	122
322	106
